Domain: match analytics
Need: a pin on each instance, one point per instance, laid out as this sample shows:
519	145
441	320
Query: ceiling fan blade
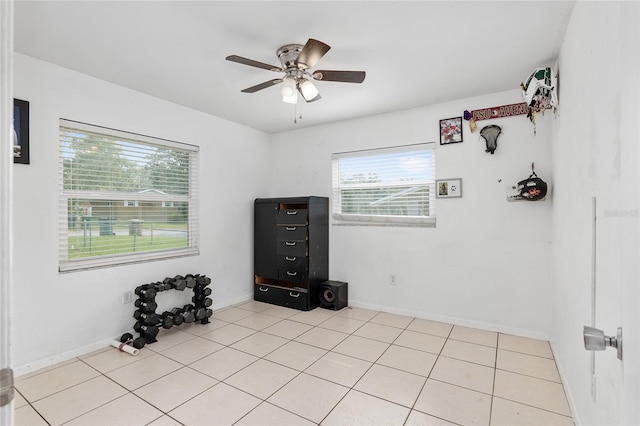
311	53
252	63
261	86
342	76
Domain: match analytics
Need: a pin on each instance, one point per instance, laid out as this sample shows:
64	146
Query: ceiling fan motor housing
288	55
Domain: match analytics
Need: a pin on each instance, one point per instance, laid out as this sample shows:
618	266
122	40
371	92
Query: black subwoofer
333	295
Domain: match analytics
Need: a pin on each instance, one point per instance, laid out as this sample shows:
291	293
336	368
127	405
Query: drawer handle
290	259
292	294
264	289
290	243
292	274
292	212
291	228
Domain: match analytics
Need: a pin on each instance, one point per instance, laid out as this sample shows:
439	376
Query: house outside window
389	186
115	188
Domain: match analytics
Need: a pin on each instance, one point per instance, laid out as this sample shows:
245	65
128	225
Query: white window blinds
124	197
385	186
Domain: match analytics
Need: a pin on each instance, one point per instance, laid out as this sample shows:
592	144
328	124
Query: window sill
111	261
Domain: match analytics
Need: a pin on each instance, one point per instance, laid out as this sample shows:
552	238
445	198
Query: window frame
340	218
66	264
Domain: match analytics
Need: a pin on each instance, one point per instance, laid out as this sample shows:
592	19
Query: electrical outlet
127	297
393	280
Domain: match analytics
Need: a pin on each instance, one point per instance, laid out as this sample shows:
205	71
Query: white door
617	295
6	146
617	305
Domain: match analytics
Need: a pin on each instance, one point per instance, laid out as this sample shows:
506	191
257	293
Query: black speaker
333	295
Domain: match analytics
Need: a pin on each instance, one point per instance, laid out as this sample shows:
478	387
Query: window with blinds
124	197
390	186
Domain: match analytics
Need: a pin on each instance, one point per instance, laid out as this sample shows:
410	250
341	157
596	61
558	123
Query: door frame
6	172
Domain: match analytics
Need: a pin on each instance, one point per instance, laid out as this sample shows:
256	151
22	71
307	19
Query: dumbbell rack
148	322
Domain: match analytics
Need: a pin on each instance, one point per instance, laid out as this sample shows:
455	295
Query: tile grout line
299	372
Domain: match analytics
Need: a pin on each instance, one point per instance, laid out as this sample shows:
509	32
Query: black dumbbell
180	285
146	292
166	320
190	280
147	307
202	301
203	280
188	313
146	318
148	332
162	286
137	343
202	315
166	284
178	318
199	291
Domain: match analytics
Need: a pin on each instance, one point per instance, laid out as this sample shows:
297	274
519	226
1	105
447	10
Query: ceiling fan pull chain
296	116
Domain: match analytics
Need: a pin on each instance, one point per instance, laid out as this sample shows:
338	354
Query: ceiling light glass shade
289	92
308	90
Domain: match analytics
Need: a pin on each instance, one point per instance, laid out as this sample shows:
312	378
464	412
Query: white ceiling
414	52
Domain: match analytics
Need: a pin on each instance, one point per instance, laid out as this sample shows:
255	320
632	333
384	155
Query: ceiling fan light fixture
308	90
288	91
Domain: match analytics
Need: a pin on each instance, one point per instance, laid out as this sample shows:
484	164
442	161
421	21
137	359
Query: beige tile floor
259	364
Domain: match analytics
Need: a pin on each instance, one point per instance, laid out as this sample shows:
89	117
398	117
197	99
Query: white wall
595	154
57	315
485	264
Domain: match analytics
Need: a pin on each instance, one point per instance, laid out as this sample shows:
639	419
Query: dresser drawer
292	298
291	232
292	268
292	216
291	248
292	275
293	263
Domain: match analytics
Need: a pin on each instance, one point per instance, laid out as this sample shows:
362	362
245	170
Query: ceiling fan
296	61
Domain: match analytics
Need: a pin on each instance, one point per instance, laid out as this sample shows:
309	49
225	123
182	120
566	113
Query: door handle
596	340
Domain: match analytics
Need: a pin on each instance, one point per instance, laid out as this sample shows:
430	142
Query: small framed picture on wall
450	130
20	131
449	188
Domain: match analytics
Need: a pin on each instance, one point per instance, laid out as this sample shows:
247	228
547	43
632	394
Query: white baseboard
47	362
83	350
58	358
567	389
234	301
500	328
